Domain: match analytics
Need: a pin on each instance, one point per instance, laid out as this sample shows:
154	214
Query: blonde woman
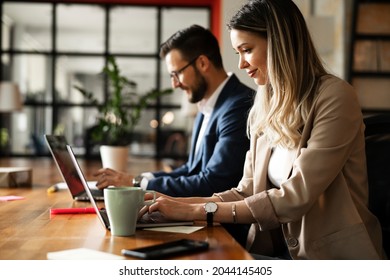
304	188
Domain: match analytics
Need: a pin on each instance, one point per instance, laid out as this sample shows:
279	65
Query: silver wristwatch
210	208
137	181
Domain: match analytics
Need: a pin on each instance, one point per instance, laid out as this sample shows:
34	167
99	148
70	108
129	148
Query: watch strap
210	208
210	219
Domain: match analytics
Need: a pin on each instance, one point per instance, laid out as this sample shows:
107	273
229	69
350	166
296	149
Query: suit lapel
197	126
219	105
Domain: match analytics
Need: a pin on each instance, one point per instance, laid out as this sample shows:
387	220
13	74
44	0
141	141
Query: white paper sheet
178	229
82	254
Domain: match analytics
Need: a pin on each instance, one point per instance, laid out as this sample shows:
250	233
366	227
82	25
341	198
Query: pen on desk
88	210
52	189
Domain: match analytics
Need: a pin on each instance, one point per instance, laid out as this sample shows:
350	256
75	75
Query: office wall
328	21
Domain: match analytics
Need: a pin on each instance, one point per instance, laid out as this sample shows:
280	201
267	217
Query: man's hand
109	177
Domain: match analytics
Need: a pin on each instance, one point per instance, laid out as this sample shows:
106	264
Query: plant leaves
119	115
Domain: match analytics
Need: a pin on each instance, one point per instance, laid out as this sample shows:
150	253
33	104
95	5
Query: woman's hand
175	209
150	194
109	177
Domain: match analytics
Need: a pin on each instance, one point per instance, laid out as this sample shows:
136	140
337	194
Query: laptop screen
57	145
103	219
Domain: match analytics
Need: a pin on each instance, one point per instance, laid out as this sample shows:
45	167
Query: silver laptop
57	146
146	221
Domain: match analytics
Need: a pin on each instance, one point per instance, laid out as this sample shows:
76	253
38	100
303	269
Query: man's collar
206	106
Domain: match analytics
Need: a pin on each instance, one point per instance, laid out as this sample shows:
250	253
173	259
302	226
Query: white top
275	166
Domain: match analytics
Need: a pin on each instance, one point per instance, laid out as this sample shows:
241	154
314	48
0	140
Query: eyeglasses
175	74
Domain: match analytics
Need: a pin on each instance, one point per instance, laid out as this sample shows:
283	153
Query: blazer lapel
194	157
197	126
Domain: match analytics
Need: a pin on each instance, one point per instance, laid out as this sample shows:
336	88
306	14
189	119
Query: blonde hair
294	68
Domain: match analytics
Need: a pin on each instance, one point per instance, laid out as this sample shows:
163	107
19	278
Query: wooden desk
28	232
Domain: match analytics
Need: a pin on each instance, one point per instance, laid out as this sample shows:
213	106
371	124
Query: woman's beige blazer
321	206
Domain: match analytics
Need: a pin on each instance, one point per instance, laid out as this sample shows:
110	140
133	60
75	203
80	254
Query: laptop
57	146
154	219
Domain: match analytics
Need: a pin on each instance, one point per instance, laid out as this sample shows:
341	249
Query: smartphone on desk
167	249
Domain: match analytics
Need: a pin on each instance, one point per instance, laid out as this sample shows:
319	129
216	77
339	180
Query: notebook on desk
57	146
146	221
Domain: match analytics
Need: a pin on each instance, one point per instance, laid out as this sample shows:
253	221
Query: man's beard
199	89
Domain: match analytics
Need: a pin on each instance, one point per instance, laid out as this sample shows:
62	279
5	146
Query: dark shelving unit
369	61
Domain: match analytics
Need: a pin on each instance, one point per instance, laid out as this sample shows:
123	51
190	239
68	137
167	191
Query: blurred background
47	47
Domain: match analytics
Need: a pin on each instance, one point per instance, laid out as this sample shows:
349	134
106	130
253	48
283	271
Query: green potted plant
119	115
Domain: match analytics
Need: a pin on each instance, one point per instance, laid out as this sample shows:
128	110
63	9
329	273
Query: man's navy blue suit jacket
219	163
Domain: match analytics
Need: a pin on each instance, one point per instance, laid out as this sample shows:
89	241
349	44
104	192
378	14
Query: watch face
210	207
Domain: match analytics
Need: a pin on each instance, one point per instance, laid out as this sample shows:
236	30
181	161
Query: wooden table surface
29	232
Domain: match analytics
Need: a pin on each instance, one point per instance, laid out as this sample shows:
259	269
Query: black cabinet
369	64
